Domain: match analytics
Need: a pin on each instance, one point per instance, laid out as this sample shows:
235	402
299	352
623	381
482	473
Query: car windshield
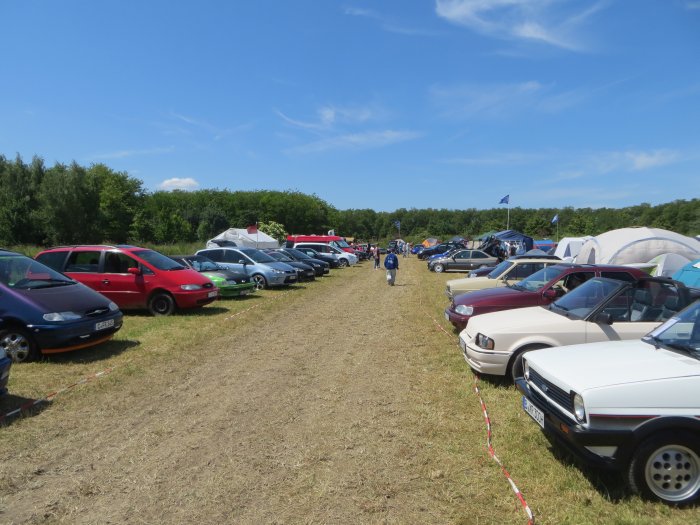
537	280
279	256
499	270
258	256
22	273
583	299
158	260
202	264
298	254
340	244
681	332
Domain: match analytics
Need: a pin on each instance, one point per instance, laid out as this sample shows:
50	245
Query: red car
540	288
133	277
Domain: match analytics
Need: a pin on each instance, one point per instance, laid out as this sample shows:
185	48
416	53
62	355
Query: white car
633	406
601	309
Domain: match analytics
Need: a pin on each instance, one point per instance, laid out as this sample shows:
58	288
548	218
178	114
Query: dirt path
321	413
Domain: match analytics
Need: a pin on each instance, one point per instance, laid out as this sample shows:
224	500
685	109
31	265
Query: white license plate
213	294
104	324
534	412
245	292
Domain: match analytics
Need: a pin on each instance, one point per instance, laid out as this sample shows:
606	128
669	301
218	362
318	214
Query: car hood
531	320
610	363
70	298
498	296
280	266
224	275
472	283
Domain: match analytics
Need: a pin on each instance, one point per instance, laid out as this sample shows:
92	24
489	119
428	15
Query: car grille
96	312
551	391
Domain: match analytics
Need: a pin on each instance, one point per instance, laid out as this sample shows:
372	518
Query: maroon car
540	288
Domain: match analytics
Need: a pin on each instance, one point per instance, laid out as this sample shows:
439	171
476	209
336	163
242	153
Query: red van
133	277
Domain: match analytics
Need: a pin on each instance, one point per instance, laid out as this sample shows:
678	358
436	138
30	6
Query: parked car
320	267
305	272
332	260
439	248
229	282
461	259
627	405
510	270
264	271
45	312
133	277
539	289
344	258
417	249
601	309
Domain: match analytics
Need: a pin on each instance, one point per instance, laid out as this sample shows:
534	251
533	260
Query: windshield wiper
50	283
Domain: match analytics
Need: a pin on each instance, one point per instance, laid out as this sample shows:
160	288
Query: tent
636	245
242	238
430	241
666	264
569	247
689	274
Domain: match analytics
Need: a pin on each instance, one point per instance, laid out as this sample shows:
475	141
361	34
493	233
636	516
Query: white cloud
692	5
356	141
125	153
635	160
186	184
330	116
545	21
387	24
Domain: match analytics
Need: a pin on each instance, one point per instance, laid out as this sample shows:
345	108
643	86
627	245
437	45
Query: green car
229	282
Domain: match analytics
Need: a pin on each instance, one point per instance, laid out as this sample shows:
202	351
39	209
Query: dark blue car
45	312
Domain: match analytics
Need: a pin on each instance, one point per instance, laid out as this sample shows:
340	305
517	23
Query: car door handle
105	281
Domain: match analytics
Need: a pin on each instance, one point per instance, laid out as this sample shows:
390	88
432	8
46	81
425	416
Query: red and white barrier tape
489	444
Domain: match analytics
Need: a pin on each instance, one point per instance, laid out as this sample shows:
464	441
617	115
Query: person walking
391	263
375	252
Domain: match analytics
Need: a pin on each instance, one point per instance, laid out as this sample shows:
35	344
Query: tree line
74	204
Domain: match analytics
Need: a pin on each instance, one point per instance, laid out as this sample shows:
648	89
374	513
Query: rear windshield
499	270
158	260
22	273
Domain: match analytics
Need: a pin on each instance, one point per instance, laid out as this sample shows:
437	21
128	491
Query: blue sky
367	104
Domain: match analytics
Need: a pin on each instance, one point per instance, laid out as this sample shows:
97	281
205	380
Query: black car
332	261
305	271
320	267
439	248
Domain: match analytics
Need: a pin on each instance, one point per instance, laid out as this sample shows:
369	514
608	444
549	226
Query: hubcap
16	346
673	473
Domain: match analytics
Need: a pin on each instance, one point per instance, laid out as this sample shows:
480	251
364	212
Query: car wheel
161	303
260	281
342	263
439	268
18	345
516	362
666	467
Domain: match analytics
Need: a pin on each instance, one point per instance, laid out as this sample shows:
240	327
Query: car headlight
190	287
61	316
463	309
579	408
274	270
112	306
484	342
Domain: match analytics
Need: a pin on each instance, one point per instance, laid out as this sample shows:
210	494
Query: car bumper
459	321
580	440
64	337
196	298
236	290
5	365
485	361
281	279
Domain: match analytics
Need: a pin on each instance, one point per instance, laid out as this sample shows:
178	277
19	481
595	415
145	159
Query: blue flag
505	199
397	224
555	219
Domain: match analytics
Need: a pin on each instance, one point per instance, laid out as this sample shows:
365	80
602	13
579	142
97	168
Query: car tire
439	268
666	467
343	263
260	281
516	363
161	303
18	345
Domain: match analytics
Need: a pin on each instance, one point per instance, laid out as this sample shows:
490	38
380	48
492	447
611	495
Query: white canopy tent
242	238
568	247
636	245
666	264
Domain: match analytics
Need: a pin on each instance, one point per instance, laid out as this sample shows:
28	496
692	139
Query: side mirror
550	294
603	318
133	271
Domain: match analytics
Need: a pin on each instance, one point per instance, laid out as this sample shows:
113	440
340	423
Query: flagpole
508	220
